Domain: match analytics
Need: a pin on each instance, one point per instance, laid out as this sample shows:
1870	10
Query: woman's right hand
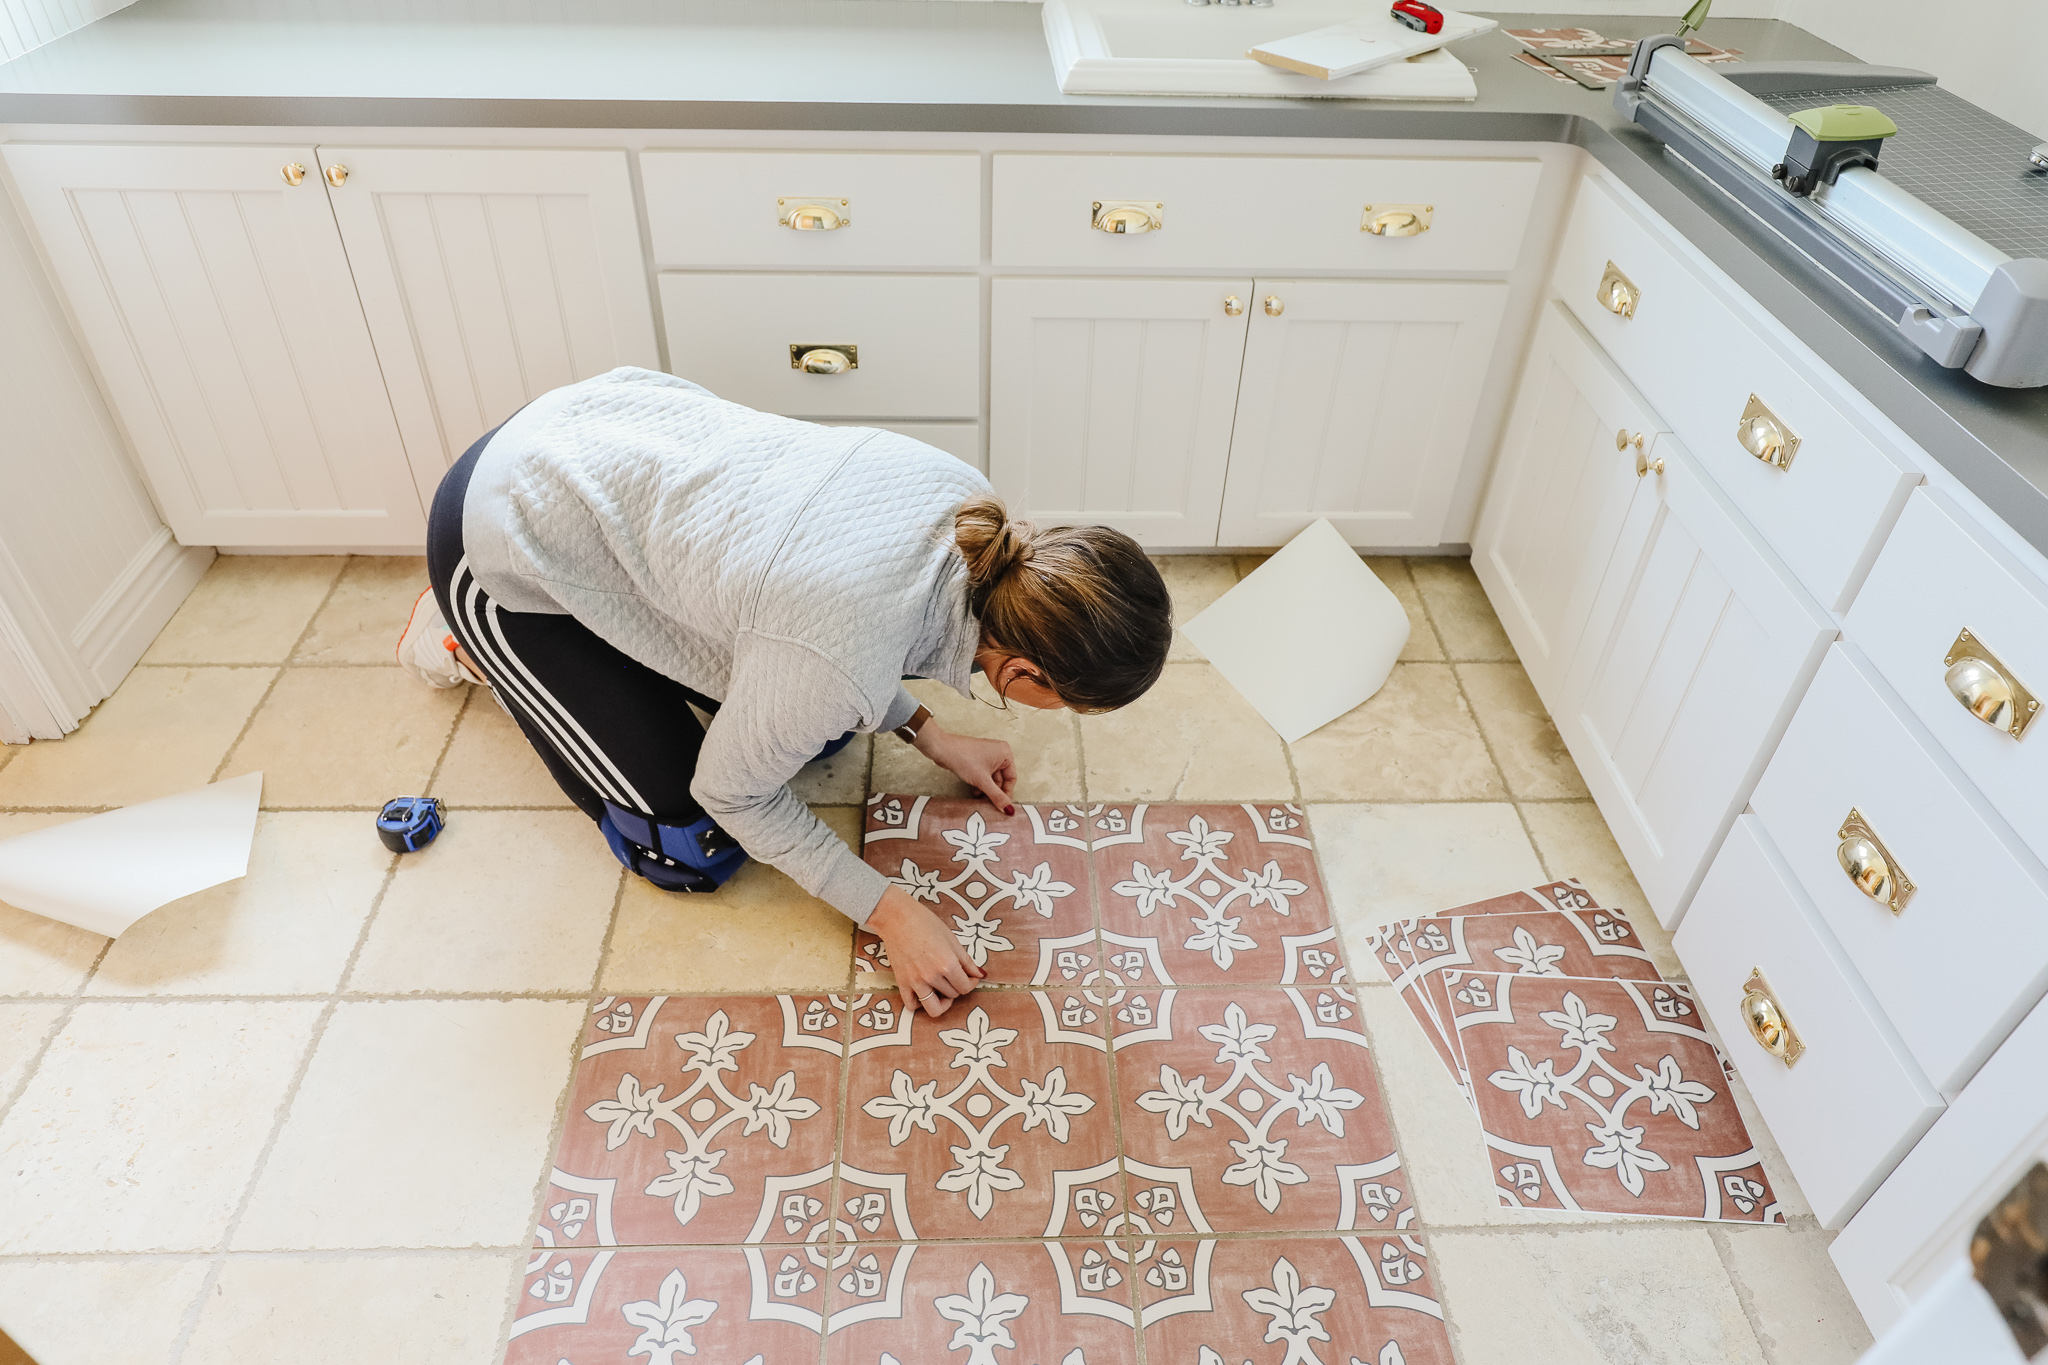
931	967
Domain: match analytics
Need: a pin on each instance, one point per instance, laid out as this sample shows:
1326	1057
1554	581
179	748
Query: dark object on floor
1423	18
2009	1252
409	823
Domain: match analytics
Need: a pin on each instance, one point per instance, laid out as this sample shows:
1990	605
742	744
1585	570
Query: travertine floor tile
1383	863
116	1311
142	1126
1422	642
441	1308
1413	740
162	731
346	737
1801	1309
758	932
1193	581
1574	841
419	1123
840	780
40	956
1047	750
1465	620
249	609
362	619
1191	738
501	901
1526	745
489	762
1634	1295
286	928
22	1030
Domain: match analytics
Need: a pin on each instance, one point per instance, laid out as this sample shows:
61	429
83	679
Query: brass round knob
1395	223
294	174
1984	692
1766	1023
824	360
1232	305
336	174
1646	466
1274	307
1867	868
1623	440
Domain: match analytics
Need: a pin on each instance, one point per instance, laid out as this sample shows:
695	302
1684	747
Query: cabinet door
217	303
1555	507
489	277
1356	405
1110	401
1697	648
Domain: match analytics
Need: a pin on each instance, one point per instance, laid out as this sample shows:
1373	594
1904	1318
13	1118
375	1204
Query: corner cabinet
299	339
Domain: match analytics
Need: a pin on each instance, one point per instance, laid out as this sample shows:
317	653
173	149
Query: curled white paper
104	872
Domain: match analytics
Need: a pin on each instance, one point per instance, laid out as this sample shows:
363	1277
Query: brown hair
1083	603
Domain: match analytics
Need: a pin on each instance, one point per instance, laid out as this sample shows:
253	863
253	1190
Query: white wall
28	24
1993	53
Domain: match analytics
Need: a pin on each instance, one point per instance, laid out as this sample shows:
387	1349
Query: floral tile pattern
1303	1301
1195	895
995	1303
1260	1108
665	1303
691	1116
1014	889
1606	1096
984	1116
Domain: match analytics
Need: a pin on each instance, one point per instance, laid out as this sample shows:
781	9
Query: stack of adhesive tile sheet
1593	1079
1158	1121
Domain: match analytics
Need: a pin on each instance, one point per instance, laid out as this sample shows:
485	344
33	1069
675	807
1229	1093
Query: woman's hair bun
991	543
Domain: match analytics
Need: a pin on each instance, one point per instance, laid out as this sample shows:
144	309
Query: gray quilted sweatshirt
795	572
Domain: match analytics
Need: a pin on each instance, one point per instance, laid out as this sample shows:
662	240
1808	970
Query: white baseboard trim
136	606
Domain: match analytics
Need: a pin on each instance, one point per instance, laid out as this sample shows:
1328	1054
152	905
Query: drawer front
1273	213
1938	576
959	439
917	341
1827	510
1854	1102
1966	954
893	209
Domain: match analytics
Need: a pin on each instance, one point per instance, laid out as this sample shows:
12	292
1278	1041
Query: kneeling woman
625	548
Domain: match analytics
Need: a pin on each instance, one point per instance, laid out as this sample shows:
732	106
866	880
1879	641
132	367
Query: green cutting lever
1694	17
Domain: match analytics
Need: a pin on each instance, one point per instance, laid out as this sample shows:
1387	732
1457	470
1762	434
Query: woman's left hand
986	764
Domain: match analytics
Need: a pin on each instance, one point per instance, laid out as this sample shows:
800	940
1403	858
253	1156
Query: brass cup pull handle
1870	866
1766	1021
1233	306
1645	466
1274	306
1396	220
294	174
337	174
824	359
1987	689
813	215
1764	434
1617	293
1127	217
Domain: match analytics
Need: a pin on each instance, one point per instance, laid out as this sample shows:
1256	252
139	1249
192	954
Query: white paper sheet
1309	635
104	872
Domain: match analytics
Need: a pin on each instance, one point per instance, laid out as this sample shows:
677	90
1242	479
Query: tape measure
409	823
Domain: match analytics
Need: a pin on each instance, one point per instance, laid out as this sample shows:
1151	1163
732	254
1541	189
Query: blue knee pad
835	746
694	857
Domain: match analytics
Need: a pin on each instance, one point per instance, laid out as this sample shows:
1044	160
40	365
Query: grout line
56	1029
244	666
264	700
1722	1248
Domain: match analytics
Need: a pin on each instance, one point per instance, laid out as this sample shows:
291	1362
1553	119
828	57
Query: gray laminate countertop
927	65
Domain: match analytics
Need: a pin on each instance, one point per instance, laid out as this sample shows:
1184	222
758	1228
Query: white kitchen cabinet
1560	491
489	276
1110	401
1356	404
217	302
1697	647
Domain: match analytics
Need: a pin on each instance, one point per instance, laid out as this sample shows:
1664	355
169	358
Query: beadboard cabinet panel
488	277
218	302
1356	404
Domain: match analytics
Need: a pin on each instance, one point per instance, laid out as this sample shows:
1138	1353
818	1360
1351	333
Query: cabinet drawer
1854	1102
1700	365
896	209
1938	576
917	341
1274	213
1966	955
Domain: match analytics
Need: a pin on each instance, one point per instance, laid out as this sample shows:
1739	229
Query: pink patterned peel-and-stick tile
1255	1111
720	1304
1393	949
984	1115
1013	889
1199	895
1591	943
1606	1096
687	1114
